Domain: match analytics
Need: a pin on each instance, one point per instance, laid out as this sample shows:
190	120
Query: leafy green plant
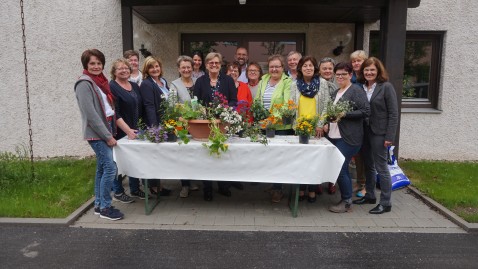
259	112
217	140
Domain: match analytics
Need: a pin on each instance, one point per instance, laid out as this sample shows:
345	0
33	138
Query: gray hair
294	52
184	58
327	60
212	55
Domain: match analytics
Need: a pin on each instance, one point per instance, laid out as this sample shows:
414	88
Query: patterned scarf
102	82
309	90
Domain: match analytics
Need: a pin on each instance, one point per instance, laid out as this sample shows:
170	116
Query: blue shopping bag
399	179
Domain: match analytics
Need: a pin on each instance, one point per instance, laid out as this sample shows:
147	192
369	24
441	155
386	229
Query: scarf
309	90
102	82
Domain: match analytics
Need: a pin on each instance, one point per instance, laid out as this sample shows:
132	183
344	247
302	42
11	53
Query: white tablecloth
283	160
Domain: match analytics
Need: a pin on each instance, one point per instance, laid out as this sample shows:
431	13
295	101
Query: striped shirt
267	97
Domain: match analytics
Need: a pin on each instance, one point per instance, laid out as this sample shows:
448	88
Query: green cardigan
281	93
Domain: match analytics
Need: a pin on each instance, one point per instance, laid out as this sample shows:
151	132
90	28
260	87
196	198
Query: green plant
306	125
254	132
259	112
336	111
217	140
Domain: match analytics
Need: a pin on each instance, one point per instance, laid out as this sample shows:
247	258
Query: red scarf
102	82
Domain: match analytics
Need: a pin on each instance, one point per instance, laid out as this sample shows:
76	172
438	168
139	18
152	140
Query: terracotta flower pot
199	129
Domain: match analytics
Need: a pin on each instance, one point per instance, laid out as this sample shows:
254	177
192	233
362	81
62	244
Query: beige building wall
57	32
450	132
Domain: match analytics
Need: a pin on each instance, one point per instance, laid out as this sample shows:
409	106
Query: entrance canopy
214	11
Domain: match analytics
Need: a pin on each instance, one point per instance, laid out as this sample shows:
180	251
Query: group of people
112	110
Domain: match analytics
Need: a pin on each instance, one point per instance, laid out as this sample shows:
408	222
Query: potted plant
286	112
259	112
336	111
270	124
305	127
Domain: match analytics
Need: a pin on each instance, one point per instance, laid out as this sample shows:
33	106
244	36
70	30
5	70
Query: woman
347	134
133	59
182	91
311	93
204	89
96	103
274	88
244	95
198	66
128	112
326	71
153	90
357	58
254	74
379	134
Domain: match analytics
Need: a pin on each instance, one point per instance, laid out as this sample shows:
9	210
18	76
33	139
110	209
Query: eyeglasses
122	68
253	71
341	75
275	67
214	63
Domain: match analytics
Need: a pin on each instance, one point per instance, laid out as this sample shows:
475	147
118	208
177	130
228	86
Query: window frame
437	39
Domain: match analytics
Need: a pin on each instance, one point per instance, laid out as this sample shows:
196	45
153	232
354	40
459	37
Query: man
292	60
242	58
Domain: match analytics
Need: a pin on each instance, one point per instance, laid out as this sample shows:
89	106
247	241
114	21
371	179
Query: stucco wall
57	33
163	40
452	134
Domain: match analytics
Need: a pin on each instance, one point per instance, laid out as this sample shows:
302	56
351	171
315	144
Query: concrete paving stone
167	219
284	221
439	230
387	230
385	222
253	212
145	219
344	222
224	220
244	221
204	220
425	222
441	222
184	220
238	212
305	222
264	221
365	222
324	222
405	223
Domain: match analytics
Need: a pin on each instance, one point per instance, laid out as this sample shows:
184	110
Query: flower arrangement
178	128
337	111
306	125
259	112
270	123
285	111
156	134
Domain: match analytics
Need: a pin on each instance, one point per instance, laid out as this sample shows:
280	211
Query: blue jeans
105	173
118	185
344	180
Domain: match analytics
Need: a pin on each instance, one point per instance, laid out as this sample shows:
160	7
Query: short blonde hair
359	54
212	55
115	64
148	63
184	58
276	57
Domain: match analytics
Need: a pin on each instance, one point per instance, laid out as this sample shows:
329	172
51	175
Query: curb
47	221
469	227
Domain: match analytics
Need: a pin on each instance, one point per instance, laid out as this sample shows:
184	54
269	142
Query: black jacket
202	89
152	97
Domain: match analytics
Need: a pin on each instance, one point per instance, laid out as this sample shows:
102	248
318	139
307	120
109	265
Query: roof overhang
285	11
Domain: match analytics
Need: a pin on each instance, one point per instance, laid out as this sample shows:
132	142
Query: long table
283	160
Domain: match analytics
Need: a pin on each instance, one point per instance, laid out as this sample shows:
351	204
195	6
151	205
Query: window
421	78
259	46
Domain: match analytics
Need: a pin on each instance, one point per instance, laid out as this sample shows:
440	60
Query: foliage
408	90
259	112
336	111
452	184
283	111
61	186
217	140
254	132
270	123
306	125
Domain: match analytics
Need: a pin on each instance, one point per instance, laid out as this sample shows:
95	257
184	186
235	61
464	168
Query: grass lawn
61	186
452	184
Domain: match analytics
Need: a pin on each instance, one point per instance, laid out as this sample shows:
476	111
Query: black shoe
365	200
237	185
312	199
301	197
164	192
380	209
208	196
225	192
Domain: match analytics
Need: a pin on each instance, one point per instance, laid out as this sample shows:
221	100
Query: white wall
451	135
57	33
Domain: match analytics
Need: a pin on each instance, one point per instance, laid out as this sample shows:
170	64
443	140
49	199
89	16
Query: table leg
147	207
294	199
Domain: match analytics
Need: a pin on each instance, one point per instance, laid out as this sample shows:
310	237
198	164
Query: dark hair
382	74
86	56
345	66
234	65
200	54
130	53
302	62
258	67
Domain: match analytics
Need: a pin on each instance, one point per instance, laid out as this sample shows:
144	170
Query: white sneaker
184	192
